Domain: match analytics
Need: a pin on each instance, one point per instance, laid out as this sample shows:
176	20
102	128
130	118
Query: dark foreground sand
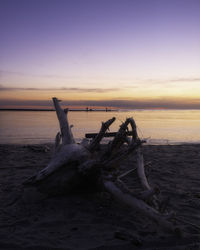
29	220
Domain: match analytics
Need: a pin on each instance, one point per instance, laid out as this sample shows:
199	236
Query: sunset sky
119	53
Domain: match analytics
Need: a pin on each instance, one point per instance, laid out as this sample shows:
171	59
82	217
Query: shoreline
94	220
51	143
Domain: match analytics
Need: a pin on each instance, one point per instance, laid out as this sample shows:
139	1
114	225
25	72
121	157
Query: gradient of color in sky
120	53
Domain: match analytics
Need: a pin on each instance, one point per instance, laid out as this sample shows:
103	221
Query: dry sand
29	220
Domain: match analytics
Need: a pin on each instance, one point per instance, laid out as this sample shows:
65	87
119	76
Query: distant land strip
84	110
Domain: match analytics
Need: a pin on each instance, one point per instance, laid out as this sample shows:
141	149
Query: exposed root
89	163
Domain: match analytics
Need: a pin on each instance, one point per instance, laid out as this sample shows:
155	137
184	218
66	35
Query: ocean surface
157	126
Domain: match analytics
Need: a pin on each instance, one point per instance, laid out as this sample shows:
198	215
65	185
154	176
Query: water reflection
160	126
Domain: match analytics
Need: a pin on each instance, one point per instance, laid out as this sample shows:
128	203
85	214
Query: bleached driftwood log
74	165
138	205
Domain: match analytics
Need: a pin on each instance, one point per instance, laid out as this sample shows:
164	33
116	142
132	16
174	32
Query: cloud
122	79
177	79
69	89
181	79
189	79
22	74
169	83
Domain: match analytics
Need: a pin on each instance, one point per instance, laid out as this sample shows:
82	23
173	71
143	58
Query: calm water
159	126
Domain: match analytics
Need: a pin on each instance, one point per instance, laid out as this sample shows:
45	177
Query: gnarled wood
140	170
66	152
75	164
104	127
67	137
138	205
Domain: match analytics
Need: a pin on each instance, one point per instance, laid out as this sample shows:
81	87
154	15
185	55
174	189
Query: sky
116	53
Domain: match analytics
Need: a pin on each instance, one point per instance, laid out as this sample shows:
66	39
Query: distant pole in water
87	109
106	109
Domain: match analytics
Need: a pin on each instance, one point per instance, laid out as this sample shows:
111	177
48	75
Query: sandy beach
94	220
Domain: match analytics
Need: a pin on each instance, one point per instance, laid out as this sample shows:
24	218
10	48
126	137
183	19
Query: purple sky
121	51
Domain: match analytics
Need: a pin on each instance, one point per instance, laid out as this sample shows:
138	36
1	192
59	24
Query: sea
156	126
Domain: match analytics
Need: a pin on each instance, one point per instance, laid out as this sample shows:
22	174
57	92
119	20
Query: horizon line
91	109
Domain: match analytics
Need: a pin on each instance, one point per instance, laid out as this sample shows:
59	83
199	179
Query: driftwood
91	164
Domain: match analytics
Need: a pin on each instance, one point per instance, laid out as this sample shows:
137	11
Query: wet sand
30	220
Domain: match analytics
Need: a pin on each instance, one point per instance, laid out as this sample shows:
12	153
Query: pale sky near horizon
123	53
